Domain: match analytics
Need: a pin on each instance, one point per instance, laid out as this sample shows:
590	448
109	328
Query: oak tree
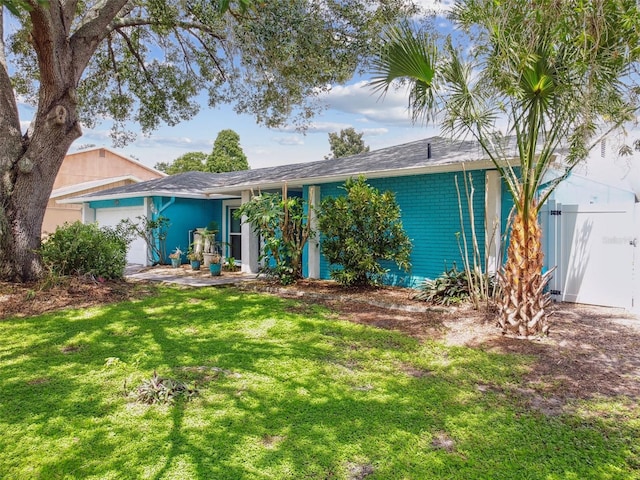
148	62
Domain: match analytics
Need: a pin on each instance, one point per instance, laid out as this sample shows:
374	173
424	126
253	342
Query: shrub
450	288
361	229
283	224
153	232
78	249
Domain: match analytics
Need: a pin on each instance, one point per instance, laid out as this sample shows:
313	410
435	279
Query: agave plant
557	75
159	389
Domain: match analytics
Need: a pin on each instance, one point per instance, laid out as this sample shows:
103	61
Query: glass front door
234	228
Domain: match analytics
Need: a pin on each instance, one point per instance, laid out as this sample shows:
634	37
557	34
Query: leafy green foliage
162	390
360	230
189	162
232	265
267	58
227	154
15	6
152	231
452	287
78	249
150	63
543	83
555	72
347	142
284	227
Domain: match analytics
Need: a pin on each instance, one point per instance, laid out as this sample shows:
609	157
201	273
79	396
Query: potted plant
209	245
215	267
176	257
195	257
232	265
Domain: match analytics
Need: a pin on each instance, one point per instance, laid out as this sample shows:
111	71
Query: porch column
313	244
148	208
88	213
250	241
492	221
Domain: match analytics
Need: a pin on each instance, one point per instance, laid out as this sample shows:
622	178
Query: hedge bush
361	229
79	249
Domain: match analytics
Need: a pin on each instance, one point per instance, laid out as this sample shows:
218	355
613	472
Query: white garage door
110	217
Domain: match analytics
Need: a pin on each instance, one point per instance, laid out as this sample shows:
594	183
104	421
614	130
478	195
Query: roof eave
115	196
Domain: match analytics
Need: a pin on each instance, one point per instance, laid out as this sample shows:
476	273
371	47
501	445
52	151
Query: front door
234	229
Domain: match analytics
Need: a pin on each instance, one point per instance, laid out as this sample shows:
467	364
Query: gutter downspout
164	207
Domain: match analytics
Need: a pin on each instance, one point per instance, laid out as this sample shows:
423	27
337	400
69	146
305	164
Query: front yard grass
286	391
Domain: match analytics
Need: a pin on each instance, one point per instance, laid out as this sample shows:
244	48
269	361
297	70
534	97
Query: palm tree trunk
522	307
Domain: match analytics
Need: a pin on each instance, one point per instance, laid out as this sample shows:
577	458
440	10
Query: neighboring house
86	172
423	177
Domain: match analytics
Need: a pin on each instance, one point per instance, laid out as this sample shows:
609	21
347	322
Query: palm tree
558	75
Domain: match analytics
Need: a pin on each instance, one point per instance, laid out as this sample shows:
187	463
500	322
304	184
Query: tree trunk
26	187
29	163
522	306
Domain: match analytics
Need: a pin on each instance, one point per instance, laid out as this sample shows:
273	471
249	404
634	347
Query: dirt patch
24	300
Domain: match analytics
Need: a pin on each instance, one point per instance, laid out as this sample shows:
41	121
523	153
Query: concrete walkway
184	276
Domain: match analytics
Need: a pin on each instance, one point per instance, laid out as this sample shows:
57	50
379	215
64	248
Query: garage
110	217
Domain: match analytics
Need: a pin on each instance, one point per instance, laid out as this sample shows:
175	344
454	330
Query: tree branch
185	52
68	12
137	56
112	57
210	53
92	31
121	22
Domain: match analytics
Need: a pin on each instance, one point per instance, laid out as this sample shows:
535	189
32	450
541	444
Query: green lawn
286	391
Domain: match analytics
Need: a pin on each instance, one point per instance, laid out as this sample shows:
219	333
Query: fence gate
593	248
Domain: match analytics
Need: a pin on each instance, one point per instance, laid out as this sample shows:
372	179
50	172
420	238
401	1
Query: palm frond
411	56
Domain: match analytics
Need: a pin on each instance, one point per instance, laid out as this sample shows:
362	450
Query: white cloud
439	7
289	140
318	127
374	132
98	136
187	143
360	99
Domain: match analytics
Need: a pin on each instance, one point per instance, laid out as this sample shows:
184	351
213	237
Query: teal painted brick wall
184	215
430	215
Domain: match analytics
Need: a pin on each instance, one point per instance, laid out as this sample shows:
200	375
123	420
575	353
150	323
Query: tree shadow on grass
305	396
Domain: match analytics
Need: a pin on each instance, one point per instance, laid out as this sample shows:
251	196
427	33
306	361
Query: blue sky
384	122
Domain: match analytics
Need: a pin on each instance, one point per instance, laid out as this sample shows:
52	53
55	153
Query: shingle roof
398	159
402	159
